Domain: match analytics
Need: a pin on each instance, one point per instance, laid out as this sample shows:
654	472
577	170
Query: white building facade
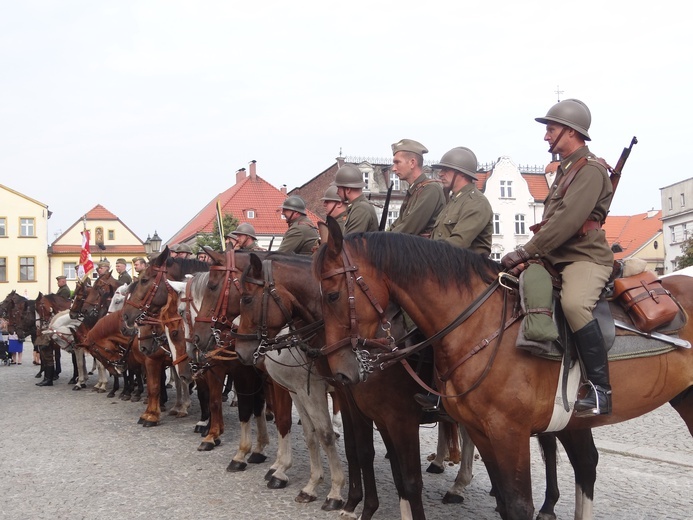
677	220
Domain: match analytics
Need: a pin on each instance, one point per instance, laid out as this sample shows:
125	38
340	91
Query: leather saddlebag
648	303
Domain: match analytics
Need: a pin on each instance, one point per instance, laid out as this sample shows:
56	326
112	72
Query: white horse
60	331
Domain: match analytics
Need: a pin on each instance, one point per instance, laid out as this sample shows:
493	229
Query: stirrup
596	409
428	402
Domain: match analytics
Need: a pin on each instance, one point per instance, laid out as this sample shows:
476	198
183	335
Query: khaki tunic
300	238
64	291
466	221
587	198
420	208
124	279
252	247
361	216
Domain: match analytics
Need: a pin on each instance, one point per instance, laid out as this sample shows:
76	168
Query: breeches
582	284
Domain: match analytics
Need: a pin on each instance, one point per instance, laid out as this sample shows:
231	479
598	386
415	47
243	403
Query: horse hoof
304	498
546	516
198	428
112	395
163	407
451	498
125	397
135	398
347	514
140	420
204	431
72	381
101	391
269	473
257	458
332	504
82	385
205	446
149	424
76	388
235	466
434	468
275	483
173	412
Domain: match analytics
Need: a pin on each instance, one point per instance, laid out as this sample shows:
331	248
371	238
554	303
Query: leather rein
393	354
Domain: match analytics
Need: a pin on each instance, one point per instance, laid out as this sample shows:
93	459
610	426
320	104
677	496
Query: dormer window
250	214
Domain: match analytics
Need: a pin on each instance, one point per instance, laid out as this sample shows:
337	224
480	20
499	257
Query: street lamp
148	245
155	242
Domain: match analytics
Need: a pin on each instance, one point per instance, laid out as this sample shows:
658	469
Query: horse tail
452	435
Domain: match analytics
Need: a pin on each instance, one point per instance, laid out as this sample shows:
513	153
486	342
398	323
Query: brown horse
501	393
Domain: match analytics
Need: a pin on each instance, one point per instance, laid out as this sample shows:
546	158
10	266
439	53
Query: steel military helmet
245	229
295	203
331	194
461	159
572	113
349	176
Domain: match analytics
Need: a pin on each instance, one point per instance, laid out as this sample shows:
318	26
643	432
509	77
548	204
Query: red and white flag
85	263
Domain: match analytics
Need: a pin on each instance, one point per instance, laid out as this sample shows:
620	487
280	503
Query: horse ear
335	239
219	258
256	265
162	257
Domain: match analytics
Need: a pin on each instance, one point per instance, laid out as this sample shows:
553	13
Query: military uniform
64	291
421	206
571	239
124	278
300	238
361	216
466	221
252	247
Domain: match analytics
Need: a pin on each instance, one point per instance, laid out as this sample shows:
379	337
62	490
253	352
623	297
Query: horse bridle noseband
146	302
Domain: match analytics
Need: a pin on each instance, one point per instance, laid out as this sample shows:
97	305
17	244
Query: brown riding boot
597	400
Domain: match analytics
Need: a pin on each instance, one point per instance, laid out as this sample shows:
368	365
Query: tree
212	239
686	259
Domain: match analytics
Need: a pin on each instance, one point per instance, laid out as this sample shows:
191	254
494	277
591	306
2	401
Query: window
671	203
27	271
250	213
3	269
26	227
111	235
683	200
506	189
392	215
70	270
366	180
396	185
496	224
496	257
3	227
520	224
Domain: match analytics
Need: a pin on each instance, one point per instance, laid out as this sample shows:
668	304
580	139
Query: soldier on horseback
571	238
302	235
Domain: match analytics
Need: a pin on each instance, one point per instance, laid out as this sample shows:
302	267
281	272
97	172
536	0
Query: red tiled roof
98	212
631	232
71	249
250	193
537	185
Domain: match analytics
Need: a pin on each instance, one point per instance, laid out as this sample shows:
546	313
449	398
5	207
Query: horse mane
198	285
188	265
407	257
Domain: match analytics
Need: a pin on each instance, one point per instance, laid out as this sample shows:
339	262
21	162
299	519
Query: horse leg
163	393
583	455
547	443
103	376
360	454
116	385
405	461
336	415
507	459
75	371
58	366
276	475
81	368
464	475
152	414
138	386
683	404
202	425
214	377
257	455
182	396
317	428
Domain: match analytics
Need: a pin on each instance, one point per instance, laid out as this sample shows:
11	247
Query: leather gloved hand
514	258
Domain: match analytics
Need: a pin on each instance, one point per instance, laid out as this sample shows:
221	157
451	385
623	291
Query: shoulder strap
570	175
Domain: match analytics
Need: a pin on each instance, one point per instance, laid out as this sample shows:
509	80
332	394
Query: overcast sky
150	107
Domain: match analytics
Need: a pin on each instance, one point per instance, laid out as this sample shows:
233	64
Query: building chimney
253	170
283	189
240	175
340	161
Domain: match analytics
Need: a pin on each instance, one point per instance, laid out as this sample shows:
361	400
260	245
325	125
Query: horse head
220	303
352	311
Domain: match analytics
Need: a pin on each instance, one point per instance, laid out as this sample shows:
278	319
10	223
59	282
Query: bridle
295	337
393	354
145	304
222	328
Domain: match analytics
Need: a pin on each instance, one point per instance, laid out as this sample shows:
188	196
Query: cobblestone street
79	455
